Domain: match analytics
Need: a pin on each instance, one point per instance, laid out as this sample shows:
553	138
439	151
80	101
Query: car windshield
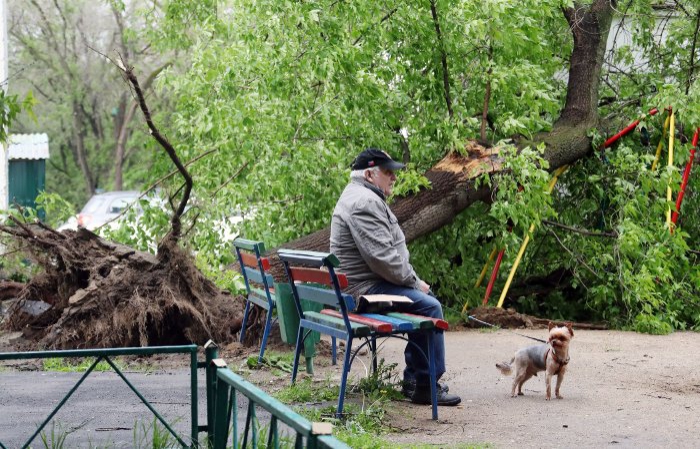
118	205
111	203
97	203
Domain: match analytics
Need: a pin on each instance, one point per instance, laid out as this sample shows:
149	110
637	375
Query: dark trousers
426	305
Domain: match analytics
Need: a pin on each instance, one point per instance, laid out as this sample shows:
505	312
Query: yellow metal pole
661	142
481	276
558	172
669	196
486	268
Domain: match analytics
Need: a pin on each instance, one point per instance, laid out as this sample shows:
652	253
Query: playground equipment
671	216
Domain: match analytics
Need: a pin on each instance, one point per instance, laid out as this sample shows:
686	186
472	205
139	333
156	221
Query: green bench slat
249	245
255	276
261	301
324	296
359	330
311	258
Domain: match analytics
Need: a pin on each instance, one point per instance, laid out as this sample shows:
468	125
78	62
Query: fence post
211	351
220	409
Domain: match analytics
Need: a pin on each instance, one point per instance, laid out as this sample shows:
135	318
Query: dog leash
497	327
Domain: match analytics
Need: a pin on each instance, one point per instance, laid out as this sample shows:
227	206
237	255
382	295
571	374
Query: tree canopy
271	100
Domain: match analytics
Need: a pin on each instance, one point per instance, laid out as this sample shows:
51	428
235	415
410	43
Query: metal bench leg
373	348
334	352
344	378
297	353
266	334
431	370
245	320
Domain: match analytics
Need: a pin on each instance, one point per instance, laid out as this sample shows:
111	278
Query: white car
100	209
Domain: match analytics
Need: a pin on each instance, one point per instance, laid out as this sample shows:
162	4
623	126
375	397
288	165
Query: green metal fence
106	354
223	387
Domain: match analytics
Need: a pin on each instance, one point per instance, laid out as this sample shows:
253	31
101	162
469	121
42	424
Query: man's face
383	179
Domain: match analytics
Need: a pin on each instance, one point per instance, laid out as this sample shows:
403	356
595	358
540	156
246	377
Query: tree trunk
80	150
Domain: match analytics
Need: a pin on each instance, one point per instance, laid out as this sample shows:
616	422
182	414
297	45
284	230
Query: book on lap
380	303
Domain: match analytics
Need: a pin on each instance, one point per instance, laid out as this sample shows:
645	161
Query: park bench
313	278
258	284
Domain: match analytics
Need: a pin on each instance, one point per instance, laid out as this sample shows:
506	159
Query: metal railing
106	354
223	387
222	390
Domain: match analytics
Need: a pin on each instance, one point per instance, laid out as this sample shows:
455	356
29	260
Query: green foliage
281	362
409	182
9	108
56	209
643	277
382	382
15	266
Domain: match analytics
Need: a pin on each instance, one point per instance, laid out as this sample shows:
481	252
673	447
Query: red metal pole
494	275
629	128
684	182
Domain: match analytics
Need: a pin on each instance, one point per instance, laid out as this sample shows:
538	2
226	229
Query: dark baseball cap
373	157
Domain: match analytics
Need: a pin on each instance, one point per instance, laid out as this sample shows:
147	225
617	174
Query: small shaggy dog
551	357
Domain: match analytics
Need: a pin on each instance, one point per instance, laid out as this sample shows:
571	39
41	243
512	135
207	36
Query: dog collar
556	359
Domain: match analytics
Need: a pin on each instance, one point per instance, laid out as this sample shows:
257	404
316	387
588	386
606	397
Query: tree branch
691	66
581	231
443	58
175	220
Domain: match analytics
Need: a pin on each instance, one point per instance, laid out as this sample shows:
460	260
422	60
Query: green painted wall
27	178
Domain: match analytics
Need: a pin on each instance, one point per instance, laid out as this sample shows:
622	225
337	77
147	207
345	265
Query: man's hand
422	286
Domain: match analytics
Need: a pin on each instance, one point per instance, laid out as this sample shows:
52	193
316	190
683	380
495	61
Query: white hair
360	174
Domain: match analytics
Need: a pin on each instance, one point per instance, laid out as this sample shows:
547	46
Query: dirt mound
510	319
504	318
104	294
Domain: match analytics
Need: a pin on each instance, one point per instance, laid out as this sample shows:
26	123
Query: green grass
305	390
77	365
146	435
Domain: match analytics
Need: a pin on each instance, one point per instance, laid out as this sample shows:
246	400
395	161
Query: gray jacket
367	239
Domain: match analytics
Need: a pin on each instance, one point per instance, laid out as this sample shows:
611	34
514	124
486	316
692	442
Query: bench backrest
313	277
253	266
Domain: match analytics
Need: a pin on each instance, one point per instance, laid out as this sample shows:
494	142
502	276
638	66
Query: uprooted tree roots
104	294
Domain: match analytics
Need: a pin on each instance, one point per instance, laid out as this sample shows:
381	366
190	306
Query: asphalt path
103	411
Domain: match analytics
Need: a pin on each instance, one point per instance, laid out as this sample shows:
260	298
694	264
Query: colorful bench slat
421	322
439	323
360	330
249	260
378	326
397	323
318	276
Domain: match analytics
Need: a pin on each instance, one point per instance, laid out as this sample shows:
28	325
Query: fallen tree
109	295
452	180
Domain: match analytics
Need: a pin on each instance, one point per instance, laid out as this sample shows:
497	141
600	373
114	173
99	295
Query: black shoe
421	395
409	386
